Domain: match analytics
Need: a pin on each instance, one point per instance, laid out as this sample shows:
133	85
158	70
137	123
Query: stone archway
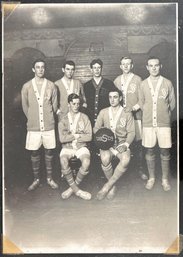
18	70
22	63
167	53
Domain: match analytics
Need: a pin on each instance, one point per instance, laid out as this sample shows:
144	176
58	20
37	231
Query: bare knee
105	161
105	157
64	162
85	162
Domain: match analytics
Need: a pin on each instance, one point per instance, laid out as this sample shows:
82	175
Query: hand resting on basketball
121	148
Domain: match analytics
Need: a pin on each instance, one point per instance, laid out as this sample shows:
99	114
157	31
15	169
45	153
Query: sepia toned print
69	185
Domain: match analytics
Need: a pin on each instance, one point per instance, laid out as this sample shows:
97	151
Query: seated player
122	125
129	84
74	133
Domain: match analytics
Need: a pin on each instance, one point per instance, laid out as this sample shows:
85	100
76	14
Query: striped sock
48	162
81	174
108	170
36	165
70	179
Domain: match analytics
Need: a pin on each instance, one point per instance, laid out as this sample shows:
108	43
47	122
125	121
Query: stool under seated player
74	133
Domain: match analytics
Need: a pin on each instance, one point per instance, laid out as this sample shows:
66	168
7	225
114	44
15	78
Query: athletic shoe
67	193
34	185
83	194
111	193
52	183
150	183
143	175
166	185
103	192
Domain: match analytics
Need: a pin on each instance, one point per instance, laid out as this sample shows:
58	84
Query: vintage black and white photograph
90	131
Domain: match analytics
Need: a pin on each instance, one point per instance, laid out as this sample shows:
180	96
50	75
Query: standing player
122	125
129	84
66	86
39	102
96	91
74	132
158	100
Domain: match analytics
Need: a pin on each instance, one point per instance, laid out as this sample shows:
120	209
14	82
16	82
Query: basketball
104	138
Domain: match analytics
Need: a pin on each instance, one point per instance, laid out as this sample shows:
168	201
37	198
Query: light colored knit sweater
83	128
31	107
157	106
125	129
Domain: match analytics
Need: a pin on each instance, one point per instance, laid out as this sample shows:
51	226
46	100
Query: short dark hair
126	58
152	58
96	61
38	60
72	97
69	62
115	89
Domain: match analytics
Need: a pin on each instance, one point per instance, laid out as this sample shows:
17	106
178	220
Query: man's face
74	105
114	99
154	67
39	69
126	65
96	70
68	71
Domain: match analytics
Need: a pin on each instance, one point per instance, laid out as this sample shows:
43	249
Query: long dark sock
36	159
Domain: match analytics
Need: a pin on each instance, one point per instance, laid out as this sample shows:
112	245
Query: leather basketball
104	138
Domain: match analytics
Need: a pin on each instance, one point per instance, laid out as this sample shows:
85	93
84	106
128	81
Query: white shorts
150	136
138	130
35	139
77	152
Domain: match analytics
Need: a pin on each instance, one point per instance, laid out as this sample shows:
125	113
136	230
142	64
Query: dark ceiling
33	16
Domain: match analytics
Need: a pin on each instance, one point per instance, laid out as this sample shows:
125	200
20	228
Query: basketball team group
99	117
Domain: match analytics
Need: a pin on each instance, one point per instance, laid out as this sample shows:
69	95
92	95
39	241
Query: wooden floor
135	221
